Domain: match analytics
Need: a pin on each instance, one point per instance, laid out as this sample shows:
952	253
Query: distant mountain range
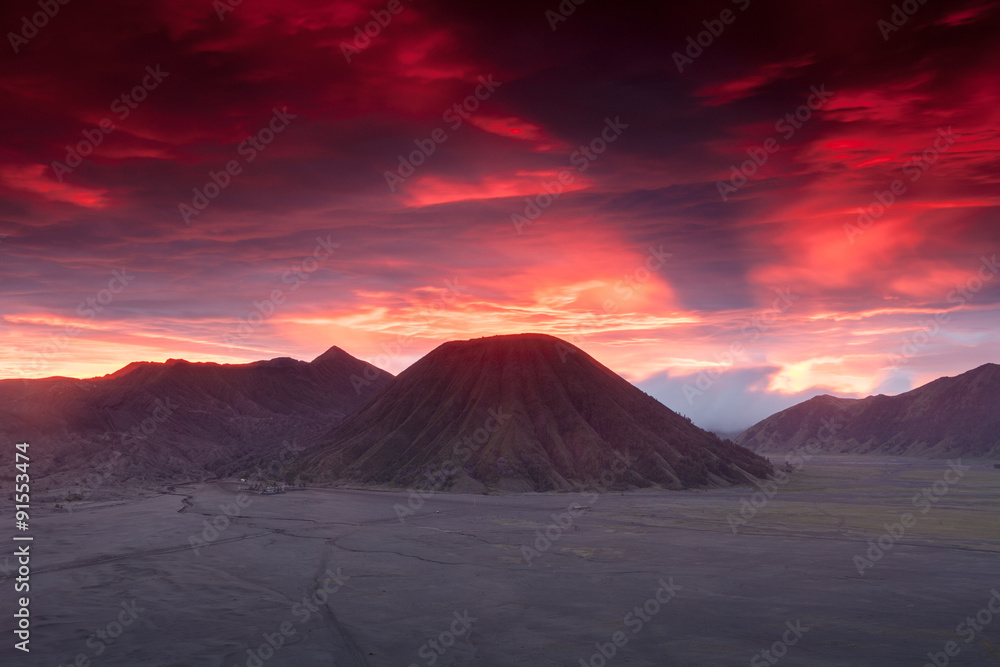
173	421
949	417
522	412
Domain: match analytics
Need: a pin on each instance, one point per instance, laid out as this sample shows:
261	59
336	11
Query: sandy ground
454	573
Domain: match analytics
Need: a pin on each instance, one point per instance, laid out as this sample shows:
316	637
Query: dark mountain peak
513	352
152	367
988	372
501	345
277	362
978	379
125	370
540	413
145	372
334	354
366	378
529	338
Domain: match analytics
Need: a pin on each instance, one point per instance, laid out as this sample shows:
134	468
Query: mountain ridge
949	416
179	420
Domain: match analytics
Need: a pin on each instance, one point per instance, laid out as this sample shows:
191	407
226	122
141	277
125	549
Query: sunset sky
725	287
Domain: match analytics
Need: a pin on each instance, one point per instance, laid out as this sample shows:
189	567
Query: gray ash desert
382	589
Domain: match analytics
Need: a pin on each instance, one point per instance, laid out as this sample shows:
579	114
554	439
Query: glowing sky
726	299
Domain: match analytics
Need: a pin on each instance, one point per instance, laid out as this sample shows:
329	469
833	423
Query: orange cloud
431	190
37	179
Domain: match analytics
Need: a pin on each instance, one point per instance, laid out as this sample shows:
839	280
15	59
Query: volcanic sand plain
451	582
